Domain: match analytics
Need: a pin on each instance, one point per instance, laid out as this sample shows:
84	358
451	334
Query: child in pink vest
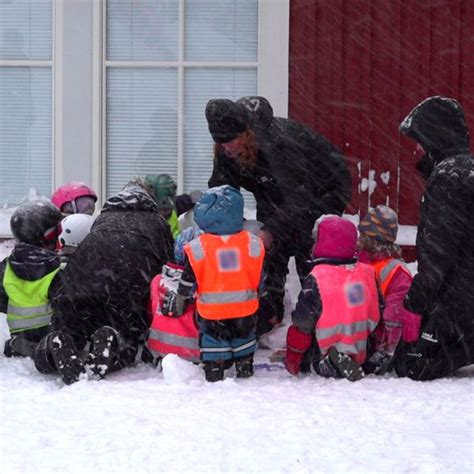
337	308
376	247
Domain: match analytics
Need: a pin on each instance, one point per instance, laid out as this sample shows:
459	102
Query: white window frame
56	82
271	65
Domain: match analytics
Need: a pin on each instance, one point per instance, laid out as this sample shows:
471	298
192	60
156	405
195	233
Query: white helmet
75	227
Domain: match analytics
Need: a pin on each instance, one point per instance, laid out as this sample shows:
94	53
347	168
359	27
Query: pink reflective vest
171	335
350	308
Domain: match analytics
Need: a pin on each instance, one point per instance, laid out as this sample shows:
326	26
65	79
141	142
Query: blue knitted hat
220	211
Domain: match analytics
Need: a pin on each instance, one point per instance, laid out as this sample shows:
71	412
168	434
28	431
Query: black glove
173	304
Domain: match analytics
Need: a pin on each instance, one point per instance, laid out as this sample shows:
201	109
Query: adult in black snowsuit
295	175
442	291
106	282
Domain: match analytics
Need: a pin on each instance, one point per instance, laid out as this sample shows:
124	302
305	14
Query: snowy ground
140	420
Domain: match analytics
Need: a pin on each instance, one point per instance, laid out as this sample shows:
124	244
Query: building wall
357	67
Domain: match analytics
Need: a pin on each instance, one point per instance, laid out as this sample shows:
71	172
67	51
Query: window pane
25	29
221	30
144	30
142	124
25	132
200	86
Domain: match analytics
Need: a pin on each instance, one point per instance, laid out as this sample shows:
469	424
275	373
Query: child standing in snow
226	263
337	308
26	276
376	247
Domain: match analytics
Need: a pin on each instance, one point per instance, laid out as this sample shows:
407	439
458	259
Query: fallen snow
141	420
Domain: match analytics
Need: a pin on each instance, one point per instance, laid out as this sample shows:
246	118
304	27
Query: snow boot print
244	367
103	353
345	365
66	357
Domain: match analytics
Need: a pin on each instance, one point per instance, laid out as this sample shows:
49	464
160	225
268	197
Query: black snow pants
272	308
433	356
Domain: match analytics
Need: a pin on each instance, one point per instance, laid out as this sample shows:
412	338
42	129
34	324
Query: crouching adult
103	293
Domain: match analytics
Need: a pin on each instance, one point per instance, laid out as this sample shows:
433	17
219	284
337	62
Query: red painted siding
357	67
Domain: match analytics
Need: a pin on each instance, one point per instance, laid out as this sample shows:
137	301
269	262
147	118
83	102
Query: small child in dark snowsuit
26	276
226	263
337	308
376	247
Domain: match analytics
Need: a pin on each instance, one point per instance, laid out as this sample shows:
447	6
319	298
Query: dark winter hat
260	111
33	220
226	119
336	237
438	124
220	211
381	224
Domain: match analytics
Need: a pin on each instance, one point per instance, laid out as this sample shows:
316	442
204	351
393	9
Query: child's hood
30	262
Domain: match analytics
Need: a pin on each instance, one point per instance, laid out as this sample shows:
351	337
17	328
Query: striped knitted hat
381	224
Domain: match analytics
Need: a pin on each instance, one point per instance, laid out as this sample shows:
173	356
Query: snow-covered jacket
299	175
107	279
442	290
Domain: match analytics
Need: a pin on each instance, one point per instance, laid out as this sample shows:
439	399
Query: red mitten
297	344
411	326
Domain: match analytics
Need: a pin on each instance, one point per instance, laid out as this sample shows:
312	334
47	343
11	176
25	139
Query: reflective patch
228	260
355	294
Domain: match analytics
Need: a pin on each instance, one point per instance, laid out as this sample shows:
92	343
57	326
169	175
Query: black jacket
106	280
299	175
442	291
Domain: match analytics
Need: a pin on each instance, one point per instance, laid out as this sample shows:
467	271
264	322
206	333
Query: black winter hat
226	119
438	124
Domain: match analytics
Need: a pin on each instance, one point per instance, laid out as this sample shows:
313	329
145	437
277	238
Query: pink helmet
70	192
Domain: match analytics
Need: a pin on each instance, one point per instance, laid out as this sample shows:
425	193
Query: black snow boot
244	367
103	352
345	365
66	357
214	370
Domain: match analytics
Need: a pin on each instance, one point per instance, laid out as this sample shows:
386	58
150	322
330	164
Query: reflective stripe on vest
386	269
255	247
196	248
175	340
28	305
228	297
343	329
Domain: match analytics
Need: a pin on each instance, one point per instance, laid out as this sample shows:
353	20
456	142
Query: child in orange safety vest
376	247
337	307
226	264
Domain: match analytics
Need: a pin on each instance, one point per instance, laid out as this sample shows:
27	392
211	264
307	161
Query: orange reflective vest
227	270
169	335
385	270
350	308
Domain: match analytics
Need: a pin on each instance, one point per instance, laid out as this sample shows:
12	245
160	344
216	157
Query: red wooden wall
357	67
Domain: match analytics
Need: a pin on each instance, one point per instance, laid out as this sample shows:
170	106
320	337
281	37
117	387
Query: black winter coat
299	176
443	289
106	281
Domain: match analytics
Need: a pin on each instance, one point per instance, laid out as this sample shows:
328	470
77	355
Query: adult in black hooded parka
442	291
103	292
295	175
